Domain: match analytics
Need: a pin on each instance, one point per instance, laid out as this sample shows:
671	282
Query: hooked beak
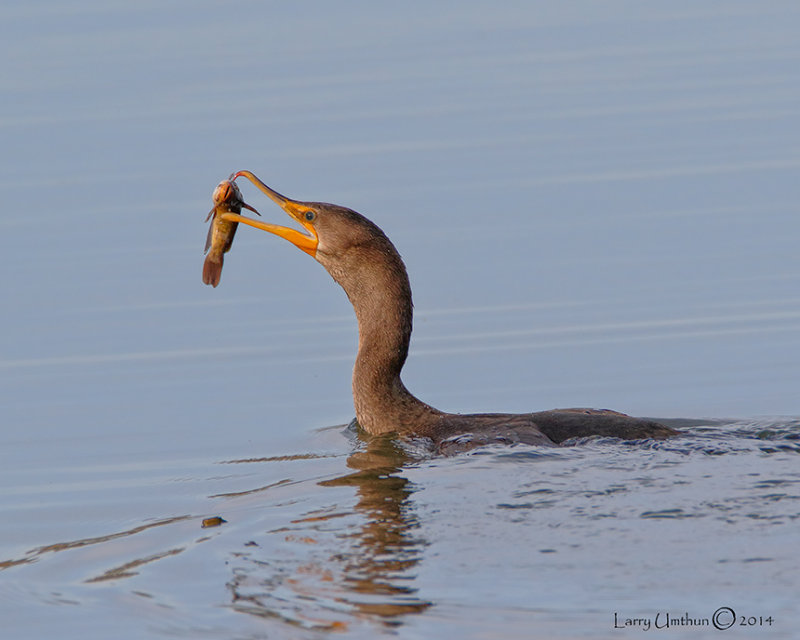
296	210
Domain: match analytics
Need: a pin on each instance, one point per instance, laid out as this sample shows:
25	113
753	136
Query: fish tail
212	270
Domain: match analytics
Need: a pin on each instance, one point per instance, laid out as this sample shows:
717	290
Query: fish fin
212	271
247	206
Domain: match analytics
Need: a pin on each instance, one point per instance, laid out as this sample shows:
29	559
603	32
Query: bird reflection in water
368	570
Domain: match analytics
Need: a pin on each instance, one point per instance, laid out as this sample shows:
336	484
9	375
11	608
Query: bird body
365	263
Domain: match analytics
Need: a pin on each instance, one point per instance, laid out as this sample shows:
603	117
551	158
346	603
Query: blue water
380	538
597	207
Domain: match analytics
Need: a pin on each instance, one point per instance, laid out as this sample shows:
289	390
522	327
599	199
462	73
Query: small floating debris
213	522
667	513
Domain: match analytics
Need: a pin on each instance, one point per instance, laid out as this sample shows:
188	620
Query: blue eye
310	215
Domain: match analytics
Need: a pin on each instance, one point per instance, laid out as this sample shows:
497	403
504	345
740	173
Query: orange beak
297	210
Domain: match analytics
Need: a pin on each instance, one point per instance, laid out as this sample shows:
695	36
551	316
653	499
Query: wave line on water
228	352
141	356
34	554
513	346
722	321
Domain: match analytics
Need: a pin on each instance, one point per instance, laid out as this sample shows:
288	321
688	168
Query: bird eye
310	215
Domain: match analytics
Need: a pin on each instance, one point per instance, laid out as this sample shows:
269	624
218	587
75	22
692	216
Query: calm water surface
597	207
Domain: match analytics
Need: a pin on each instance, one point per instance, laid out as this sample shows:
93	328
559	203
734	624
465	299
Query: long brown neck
375	280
